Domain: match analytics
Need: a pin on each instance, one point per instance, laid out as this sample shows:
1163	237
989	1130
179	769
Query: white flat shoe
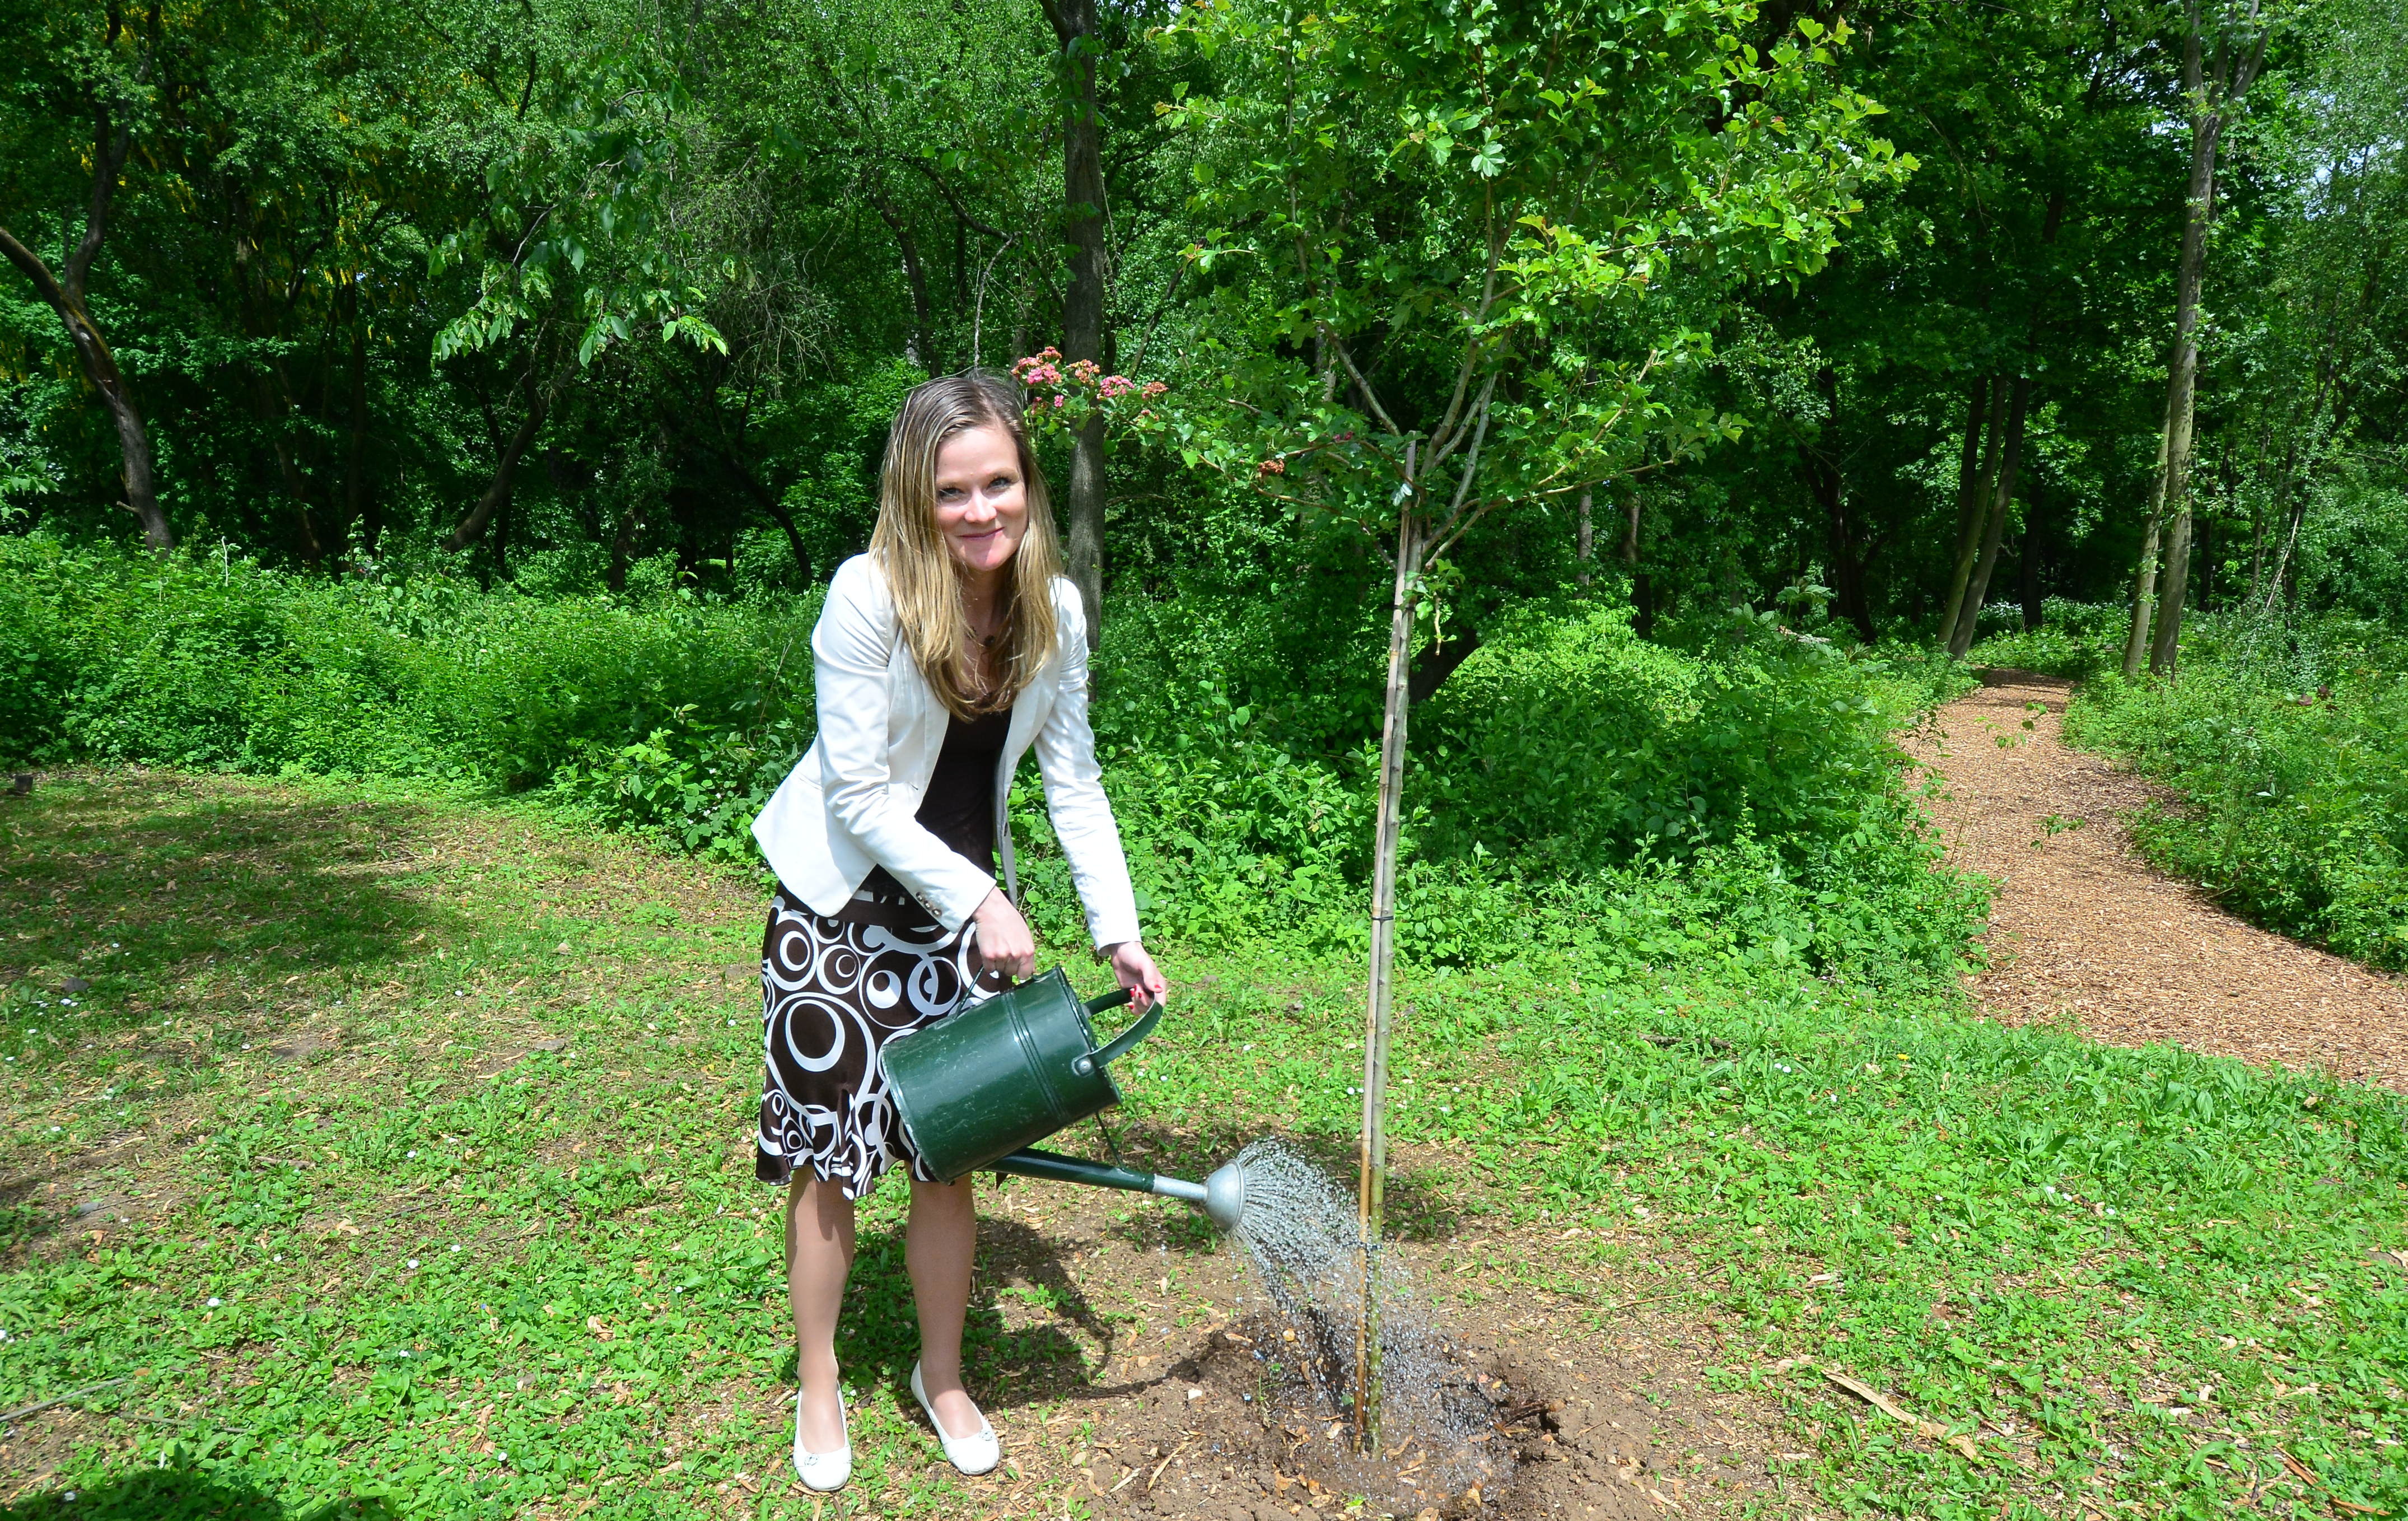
823	1471
972	1455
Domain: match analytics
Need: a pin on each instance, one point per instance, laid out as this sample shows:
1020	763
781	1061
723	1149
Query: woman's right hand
1004	942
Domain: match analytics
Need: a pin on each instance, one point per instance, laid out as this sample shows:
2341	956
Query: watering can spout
1222	1196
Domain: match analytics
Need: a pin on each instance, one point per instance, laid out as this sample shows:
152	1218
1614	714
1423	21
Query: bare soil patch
2086	931
1590	1416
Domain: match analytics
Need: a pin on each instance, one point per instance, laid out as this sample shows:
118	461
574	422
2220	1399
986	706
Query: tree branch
1438	454
109	154
1440	439
1362	386
953	200
1456	523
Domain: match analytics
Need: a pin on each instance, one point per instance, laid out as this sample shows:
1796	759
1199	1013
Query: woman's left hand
1137	973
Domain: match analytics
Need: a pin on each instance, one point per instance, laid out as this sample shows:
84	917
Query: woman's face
981	498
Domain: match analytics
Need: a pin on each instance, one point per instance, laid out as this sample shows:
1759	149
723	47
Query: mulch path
2084	930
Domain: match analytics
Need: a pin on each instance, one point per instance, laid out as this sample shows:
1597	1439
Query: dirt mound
1583	1419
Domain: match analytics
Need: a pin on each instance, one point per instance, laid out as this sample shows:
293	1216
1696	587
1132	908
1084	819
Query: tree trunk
2182	391
2208	113
1584	539
776	510
2034	595
506	469
275	406
100	368
2283	559
1437	663
110	146
2003	491
916	276
1372	1153
622	548
1981	435
1643	585
2257	545
1076	26
357	511
1831	489
2145	575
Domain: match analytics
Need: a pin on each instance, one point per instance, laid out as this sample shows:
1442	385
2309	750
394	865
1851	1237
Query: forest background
468	400
508	378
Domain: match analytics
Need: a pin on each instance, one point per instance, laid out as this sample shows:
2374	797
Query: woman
942	656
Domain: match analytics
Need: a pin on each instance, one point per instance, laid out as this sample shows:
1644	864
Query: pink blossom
1154	388
1273	465
1057	401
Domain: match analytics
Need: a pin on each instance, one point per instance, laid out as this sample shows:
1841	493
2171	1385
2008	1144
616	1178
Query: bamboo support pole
1373	1149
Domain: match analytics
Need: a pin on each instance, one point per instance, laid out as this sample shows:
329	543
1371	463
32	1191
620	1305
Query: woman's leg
937	1246
818	1254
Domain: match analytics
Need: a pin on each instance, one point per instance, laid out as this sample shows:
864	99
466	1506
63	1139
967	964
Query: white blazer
848	806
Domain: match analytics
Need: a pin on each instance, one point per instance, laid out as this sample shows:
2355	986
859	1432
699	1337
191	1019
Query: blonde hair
922	575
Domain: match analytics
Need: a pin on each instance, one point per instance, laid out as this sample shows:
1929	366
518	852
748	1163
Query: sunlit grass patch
476	1206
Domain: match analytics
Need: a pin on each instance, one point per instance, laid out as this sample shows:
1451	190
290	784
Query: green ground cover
2139	1282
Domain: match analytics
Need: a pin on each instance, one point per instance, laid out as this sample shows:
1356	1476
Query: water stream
1299	1227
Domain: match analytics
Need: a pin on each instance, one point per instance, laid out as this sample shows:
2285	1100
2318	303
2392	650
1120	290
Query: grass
426	1124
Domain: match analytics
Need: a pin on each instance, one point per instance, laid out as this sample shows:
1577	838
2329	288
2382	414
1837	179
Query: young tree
1459	257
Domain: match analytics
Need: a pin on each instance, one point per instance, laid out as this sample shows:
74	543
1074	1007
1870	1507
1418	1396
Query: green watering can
977	1087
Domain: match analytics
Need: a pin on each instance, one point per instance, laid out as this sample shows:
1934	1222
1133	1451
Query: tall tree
1077	25
2224	46
2001	484
108	82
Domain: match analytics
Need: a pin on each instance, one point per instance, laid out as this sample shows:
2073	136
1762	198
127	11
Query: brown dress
835	988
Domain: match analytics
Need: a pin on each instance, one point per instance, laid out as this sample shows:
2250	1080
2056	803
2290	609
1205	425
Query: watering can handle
1128	1037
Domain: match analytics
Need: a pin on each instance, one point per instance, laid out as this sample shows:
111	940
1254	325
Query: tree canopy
1870	307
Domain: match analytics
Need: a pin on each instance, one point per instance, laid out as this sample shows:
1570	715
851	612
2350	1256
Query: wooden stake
1373	1151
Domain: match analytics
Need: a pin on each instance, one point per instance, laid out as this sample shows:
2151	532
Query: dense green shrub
2289	749
189	662
2076	640
1571	786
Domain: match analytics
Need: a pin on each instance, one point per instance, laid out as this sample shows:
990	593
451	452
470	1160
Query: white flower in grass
215	1301
413	1262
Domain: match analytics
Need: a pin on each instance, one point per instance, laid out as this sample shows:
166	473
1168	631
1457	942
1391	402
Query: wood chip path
2084	930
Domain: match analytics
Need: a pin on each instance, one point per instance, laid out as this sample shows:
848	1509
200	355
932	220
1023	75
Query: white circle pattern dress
835	988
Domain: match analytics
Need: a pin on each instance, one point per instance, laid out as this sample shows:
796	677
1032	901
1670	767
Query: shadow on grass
135	883
182	1493
137	896
138	885
878	1340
